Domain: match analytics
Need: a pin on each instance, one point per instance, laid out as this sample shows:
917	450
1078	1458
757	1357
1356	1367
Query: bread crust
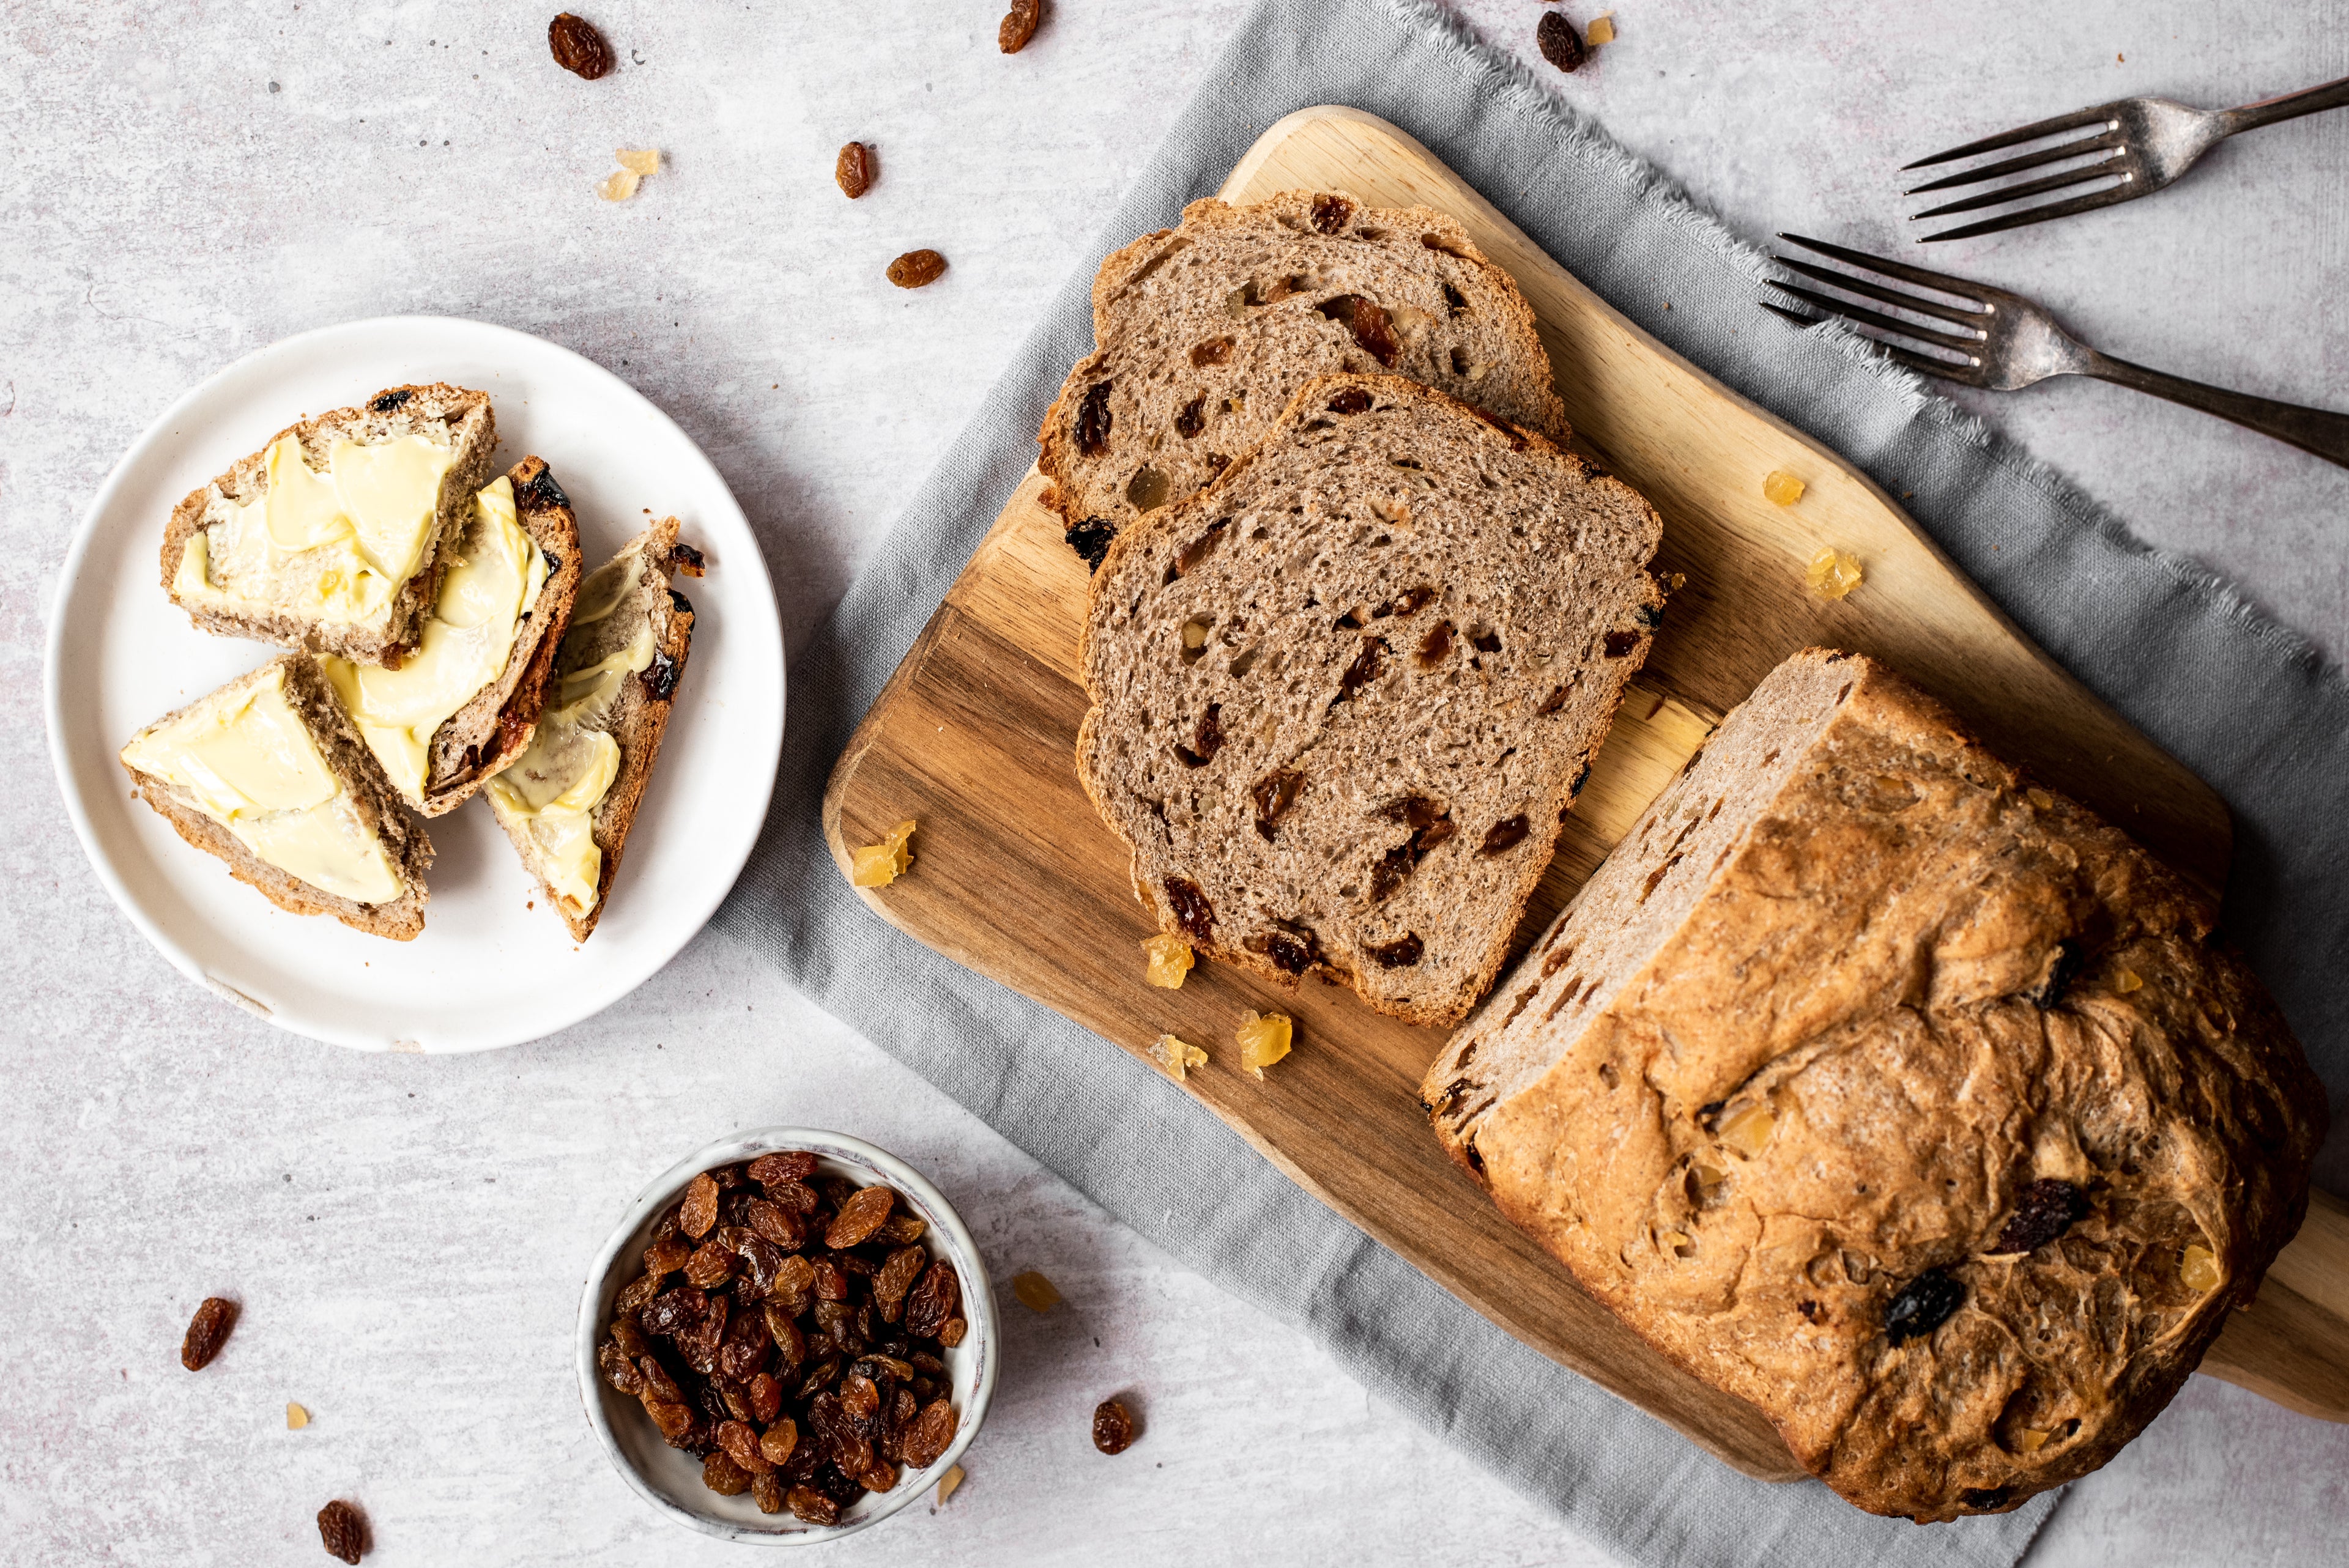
1550	795
638	722
495	727
356	767
472	428
1900	1121
1522	391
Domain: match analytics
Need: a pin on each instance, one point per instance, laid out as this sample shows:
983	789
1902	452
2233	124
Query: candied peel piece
2198	1269
1176	1057
1264	1039
1600	31
878	865
642	162
1748	1131
618	185
297	1418
2030	1439
2127	981
1170	959
1035	1292
1781	487
1832	573
947	1483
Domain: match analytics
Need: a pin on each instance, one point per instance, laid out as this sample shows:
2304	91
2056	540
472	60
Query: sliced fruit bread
1204	332
268	774
569	801
1343	697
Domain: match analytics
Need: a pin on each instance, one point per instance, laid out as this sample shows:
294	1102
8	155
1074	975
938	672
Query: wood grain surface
1016	877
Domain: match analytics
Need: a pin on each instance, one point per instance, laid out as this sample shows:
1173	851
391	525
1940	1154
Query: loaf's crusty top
1204	332
1909	1101
1342	699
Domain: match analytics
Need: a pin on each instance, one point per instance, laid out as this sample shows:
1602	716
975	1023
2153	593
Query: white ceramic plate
487	971
671	1481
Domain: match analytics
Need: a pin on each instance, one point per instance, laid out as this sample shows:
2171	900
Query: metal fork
2003	341
2152	141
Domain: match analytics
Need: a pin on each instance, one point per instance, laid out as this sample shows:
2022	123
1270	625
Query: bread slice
325	599
1343	697
362	813
1204	333
615	685
1905	1100
495	723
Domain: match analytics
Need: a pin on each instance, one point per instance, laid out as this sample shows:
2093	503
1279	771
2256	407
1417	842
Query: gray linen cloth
2234	697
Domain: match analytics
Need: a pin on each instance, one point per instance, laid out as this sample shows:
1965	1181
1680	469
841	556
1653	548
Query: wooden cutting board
1015	876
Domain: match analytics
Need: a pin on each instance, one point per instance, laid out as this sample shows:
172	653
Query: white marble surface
185	183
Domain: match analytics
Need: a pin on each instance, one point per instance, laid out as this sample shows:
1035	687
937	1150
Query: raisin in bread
570	800
299	571
268	775
1343	697
1909	1101
1204	333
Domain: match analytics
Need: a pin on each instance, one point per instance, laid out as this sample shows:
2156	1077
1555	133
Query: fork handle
2316	430
2290	105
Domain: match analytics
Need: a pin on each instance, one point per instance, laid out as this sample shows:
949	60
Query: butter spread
244	758
492	582
335	546
555	785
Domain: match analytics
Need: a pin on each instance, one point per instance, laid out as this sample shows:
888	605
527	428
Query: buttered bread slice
267	774
464	703
1343	697
569	801
334	537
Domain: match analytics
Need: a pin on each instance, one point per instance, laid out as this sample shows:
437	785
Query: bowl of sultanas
789	1338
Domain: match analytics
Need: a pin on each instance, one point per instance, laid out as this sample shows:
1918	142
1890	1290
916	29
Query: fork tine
2005	167
1850	284
2116	164
1877	319
1890	269
2087	204
1922	364
2072	122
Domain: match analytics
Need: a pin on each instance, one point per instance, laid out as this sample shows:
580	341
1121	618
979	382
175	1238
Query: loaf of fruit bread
1905	1100
267	774
465	701
1342	699
1204	332
570	800
333	537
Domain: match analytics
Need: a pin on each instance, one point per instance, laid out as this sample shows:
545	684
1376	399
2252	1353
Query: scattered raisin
1090	539
1352	400
1561	46
853	170
1553	702
2043	1211
580	49
1189	422
661	676
1112	1427
772	1221
1206	740
1454	300
791	1165
1400	953
1094	420
207	1332
1274	794
1187	558
1332	214
619	1370
700	1211
1368	321
709	1266
1019	26
721	1475
342	1528
812	1506
932	1300
916	268
1984	1497
1363	670
538	493
859	1217
1213	351
1923	1304
767	1492
1502	835
1412	601
929	1437
385	402
1292	948
1622	643
1437	645
1192	911
950	1334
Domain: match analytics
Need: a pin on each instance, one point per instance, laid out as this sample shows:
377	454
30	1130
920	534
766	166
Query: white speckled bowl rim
670	1479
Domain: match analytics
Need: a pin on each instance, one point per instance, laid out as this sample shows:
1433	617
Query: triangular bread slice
1204	332
570	799
323	598
227	799
1343	697
495	722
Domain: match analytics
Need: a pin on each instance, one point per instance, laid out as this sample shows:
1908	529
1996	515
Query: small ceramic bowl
670	1479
